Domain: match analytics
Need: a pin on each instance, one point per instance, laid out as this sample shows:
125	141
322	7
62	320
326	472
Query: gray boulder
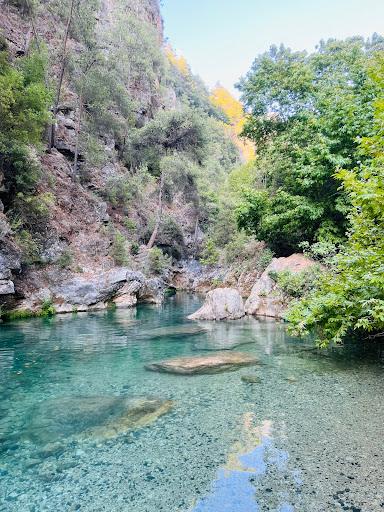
220	304
90	290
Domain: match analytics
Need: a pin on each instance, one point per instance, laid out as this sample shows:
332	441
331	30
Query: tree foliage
306	113
350	296
24	104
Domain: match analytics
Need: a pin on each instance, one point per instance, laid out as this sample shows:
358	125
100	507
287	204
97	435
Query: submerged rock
216	363
95	417
251	379
220	304
176	330
139	413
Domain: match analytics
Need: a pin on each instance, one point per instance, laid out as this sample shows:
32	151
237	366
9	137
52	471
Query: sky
221	38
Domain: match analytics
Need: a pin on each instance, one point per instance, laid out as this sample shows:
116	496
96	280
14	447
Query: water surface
307	436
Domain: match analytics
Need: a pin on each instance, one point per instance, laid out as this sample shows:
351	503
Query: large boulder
266	299
220	304
197	365
152	291
90	290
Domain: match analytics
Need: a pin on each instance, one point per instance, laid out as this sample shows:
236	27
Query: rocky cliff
95	205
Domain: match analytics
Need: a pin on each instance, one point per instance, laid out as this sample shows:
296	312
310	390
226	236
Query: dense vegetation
317	182
307	113
350	295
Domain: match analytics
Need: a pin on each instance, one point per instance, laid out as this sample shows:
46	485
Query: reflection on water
84	427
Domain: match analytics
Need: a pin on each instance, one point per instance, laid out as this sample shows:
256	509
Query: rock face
9	261
220	304
95	417
266	299
120	286
216	363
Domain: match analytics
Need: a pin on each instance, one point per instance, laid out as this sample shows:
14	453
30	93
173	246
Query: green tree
306	115
350	297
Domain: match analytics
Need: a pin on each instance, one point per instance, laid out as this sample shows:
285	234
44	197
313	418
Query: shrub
134	249
47	308
296	284
245	250
66	259
118	249
30	249
210	254
130	224
158	262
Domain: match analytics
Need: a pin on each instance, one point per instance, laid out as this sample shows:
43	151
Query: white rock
220	304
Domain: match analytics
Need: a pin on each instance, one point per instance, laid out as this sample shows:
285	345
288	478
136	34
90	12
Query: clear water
307	437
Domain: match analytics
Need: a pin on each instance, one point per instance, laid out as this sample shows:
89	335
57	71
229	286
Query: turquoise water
308	436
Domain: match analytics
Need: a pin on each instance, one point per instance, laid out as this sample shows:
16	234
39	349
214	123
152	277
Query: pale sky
221	38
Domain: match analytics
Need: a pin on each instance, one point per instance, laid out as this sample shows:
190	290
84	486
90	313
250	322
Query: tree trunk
78	129
159	213
195	236
33	25
51	141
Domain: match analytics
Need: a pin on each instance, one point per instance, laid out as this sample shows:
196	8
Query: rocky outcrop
266	298
9	262
220	304
219	362
119	286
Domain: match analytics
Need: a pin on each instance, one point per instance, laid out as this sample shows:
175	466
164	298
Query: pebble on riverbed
251	379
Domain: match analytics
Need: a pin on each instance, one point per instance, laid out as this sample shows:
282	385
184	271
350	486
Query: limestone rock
6	287
90	290
220	304
9	261
266	299
197	365
152	291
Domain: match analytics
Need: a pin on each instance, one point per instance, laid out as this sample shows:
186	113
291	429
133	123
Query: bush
122	190
30	249
210	254
134	249
47	308
118	249
296	284
247	252
66	259
130	224
158	262
33	212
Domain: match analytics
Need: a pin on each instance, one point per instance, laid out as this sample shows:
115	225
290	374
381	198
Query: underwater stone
251	379
95	417
220	362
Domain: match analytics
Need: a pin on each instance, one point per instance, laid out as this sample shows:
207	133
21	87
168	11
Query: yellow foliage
178	61
233	109
223	99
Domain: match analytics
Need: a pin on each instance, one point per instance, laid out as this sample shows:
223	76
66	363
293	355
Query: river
301	431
